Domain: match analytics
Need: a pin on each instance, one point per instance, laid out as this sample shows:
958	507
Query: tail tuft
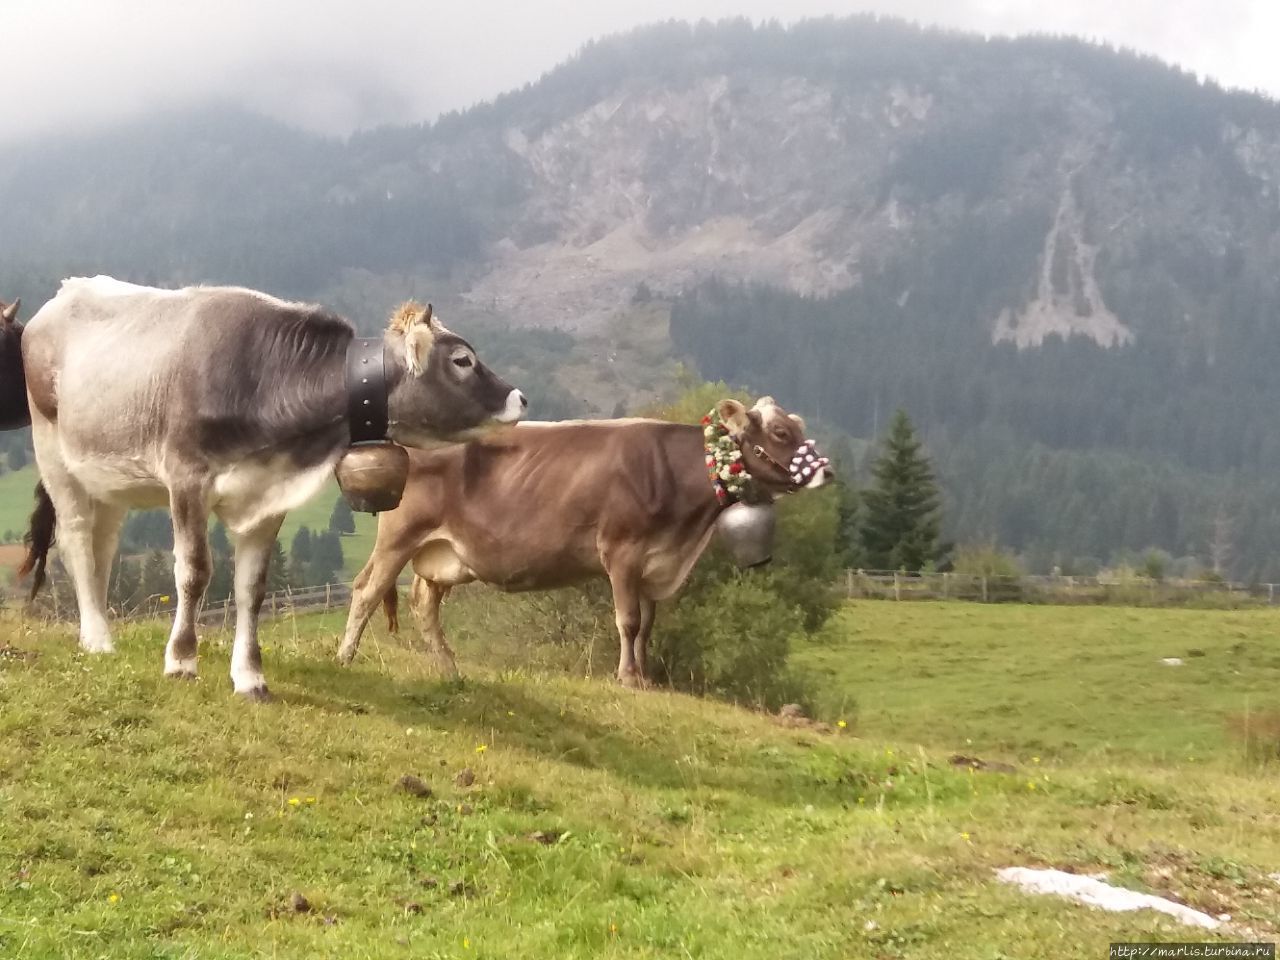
391	607
39	539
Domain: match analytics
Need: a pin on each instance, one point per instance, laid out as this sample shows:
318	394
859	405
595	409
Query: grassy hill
146	818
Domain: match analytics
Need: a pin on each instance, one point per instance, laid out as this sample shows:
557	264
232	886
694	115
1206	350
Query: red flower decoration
736	467
706	421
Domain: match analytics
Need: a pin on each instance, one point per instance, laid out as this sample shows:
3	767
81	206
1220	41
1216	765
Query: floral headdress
728	473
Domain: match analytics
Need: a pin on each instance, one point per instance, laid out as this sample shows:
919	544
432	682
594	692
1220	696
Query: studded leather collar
366	390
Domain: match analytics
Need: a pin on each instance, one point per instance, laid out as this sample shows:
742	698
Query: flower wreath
728	473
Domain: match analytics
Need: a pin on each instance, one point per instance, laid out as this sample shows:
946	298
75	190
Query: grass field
153	819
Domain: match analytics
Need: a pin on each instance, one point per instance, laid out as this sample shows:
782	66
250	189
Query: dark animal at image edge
214	399
14	413
548	505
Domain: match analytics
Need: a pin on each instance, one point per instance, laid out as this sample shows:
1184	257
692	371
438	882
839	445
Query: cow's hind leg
77	512
107	519
425	598
253	555
192	569
640	647
370	586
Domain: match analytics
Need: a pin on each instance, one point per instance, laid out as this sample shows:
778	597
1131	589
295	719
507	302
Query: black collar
366	390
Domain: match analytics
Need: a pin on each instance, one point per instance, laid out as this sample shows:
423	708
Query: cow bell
372	475
747	530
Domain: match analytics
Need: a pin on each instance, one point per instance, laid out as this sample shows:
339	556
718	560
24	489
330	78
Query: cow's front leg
253	556
368	589
627	616
191	572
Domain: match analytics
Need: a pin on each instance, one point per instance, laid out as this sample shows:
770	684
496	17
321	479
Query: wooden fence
1139	591
855	585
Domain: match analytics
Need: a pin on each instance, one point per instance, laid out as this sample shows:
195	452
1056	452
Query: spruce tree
327	560
342	520
157	576
300	551
900	518
278	570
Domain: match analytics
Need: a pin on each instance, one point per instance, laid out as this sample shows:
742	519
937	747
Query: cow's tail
391	607
39	539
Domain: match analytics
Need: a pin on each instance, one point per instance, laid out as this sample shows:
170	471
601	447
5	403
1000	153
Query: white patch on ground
1098	893
1171	661
1068	300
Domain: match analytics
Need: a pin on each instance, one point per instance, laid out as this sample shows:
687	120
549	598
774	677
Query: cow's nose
514	408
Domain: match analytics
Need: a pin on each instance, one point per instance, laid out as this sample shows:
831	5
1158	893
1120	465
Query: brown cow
547	505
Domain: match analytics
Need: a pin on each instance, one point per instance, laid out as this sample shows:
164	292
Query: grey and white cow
214	399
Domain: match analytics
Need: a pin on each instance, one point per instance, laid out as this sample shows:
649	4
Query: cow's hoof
184	669
257	694
345	656
97	646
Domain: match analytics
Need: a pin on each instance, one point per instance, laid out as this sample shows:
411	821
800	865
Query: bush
729	632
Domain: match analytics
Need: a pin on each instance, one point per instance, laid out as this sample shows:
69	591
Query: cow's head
437	388
774	448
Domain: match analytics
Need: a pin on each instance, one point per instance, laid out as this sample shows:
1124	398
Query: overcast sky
334	66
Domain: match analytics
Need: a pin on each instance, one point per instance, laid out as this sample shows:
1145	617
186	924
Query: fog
335	67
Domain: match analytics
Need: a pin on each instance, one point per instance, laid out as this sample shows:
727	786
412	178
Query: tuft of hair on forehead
407	314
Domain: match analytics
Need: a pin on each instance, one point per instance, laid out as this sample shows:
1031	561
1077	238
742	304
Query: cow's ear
427	318
11	311
418	341
733	415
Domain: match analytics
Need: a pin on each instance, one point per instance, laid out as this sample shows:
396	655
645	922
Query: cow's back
541	505
118	365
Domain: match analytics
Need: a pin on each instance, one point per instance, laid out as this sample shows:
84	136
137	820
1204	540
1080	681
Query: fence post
1271	593
897	586
984	588
848	584
946	580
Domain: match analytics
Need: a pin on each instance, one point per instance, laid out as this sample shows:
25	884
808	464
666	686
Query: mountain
1058	257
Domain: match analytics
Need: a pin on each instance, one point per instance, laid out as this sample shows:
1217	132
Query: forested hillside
1058	257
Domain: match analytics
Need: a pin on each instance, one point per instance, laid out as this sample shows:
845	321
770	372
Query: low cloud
330	67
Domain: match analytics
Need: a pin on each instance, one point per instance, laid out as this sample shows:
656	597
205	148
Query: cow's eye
462	360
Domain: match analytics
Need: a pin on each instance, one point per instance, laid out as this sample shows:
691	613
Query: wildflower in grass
965	837
1031	784
841	724
311	799
164	599
466	943
113	897
1035	759
613	929
482	747
294	801
248	816
409	732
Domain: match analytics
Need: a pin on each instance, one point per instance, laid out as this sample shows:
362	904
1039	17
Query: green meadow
551	815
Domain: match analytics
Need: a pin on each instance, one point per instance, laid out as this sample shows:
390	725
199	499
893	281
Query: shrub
729	632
